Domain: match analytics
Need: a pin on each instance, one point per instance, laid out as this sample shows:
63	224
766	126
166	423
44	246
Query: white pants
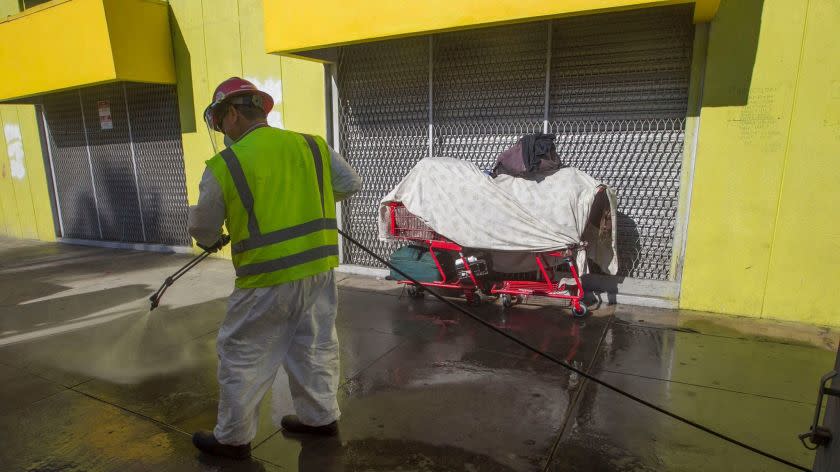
290	325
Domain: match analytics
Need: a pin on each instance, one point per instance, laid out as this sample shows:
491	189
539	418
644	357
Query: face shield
212	119
216	111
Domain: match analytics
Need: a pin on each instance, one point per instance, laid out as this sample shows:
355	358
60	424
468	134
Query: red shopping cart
476	282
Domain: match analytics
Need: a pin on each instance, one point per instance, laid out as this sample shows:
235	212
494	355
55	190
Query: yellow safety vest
279	206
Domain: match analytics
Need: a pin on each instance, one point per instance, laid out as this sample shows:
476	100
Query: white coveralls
290	325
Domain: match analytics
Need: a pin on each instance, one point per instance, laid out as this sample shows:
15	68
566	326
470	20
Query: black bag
533	153
417	262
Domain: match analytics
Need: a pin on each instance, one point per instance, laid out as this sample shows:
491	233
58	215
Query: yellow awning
295	28
65	44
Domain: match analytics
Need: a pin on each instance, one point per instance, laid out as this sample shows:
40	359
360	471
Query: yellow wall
805	257
140	40
8	8
762	237
40	61
24	197
65	44
297	26
304	97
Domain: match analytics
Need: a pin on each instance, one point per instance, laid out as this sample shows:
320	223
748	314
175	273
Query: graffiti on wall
14	149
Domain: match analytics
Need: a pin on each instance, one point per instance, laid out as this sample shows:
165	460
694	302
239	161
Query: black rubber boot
291	424
207	443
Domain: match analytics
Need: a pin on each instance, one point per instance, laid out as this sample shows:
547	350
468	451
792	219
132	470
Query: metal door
117	163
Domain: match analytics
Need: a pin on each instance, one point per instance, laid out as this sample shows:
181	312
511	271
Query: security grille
71	166
618	99
156	133
612	87
384	95
118	165
488	90
113	169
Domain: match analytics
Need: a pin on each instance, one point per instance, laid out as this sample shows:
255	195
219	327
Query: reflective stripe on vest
257	240
319	166
288	261
242	188
284	234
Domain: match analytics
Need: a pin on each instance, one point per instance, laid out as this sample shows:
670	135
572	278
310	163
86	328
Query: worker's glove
222	242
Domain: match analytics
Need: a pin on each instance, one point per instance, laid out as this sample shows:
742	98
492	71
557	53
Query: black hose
576	370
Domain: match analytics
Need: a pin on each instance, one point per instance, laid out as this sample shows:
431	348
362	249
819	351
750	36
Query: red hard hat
237	87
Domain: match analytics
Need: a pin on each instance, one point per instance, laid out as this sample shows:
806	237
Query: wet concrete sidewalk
90	382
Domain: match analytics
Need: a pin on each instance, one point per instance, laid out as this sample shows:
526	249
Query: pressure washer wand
155	298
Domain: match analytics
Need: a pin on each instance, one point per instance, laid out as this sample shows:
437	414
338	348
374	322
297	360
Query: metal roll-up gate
618	99
117	164
384	129
612	87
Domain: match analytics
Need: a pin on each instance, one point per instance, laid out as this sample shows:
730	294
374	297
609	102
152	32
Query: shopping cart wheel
580	311
507	300
414	292
474	299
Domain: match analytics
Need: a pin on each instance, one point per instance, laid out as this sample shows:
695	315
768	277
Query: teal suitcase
417	262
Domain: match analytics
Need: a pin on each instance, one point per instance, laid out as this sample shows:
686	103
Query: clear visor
209	117
213	124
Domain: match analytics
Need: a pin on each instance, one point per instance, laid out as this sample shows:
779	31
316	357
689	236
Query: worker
275	191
